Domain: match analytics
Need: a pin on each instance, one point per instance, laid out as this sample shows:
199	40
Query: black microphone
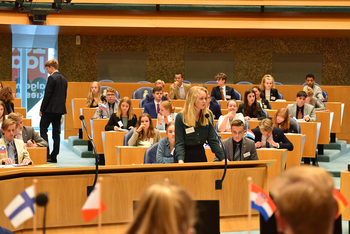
218	183
41	200
90	188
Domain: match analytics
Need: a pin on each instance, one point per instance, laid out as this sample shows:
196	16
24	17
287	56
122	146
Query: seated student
310	82
166	115
267	136
264	103
94	96
12	150
213	106
7	96
124	118
301	110
179	90
3	112
152	108
250	109
281	120
144	133
166	146
310	99
304	200
222	92
110	106
26	133
163	208
267	87
239	148
224	123
149	98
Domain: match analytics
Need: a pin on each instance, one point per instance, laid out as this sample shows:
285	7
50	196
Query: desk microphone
218	183
41	200
90	188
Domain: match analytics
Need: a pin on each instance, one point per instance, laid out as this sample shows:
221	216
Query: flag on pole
21	208
101	107
261	202
92	205
250	134
341	200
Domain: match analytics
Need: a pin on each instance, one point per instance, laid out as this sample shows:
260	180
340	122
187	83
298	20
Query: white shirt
182	93
223	89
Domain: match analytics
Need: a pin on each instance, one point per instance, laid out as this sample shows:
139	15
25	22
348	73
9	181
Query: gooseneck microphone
218	183
41	200
90	188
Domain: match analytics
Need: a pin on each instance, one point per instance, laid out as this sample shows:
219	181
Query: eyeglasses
110	95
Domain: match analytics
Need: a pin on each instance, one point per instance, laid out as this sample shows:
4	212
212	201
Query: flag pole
100	208
35	181
249	179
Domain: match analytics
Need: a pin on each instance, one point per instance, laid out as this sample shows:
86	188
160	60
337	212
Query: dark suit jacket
113	121
8	106
215	108
150	108
28	133
55	96
248	150
278	137
149	98
265	104
273	95
217	93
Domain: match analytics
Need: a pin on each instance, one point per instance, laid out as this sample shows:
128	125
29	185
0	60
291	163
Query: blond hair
167	105
91	97
6	124
15	116
266	125
267	77
189	110
309	92
52	63
159	82
130	111
304	198
163	208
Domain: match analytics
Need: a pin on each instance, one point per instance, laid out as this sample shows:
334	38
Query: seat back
278	83
244	82
321	102
127	137
315	83
325	95
210	82
266	113
142	92
296	124
216	127
142	102
143	81
106	81
280	96
246	125
238	95
151	154
187	82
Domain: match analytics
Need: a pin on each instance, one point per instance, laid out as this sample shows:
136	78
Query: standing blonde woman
268	88
193	129
164	208
95	95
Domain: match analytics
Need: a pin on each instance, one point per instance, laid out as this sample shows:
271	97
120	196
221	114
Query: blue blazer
217	93
149	98
150	108
215	108
278	137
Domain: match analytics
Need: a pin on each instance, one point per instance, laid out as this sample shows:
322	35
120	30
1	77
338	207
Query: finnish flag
21	207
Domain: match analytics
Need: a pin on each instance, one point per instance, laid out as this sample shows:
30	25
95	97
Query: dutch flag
261	201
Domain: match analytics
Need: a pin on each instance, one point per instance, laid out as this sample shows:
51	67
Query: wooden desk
27	122
326	119
128	155
124	184
294	157
17	102
345	190
135	102
253	123
77	103
111	139
312	131
278	105
178	103
22	111
138	112
88	114
97	127
276	154
225	135
38	155
271	112
338	109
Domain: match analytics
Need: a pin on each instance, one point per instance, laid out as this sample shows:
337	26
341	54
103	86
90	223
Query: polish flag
93	204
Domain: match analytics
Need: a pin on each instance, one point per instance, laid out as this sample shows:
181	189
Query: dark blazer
28	133
265	104
55	96
273	95
278	137
8	106
215	108
150	108
217	93
261	115
149	98
113	121
248	150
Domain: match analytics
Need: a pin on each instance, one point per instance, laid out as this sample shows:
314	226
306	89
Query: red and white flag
92	205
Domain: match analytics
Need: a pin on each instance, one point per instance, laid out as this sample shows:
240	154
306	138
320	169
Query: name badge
120	123
189	130
273	98
151	141
246	154
228	96
21	151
